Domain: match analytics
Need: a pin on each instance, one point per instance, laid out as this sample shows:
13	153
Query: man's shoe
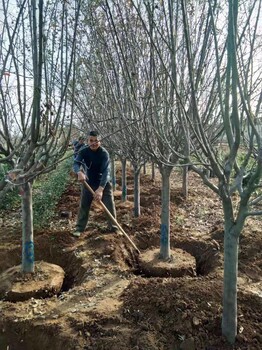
76	234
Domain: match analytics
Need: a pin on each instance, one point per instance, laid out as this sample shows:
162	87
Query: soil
108	301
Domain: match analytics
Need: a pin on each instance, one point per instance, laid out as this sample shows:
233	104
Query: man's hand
98	194
81	176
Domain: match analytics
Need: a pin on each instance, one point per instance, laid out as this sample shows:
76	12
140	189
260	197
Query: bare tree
38	52
237	79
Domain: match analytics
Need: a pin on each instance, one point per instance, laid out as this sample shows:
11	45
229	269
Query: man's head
94	140
81	139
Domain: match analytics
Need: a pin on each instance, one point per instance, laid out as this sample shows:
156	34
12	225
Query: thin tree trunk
233	229
144	168
165	214
124	187
185	182
153	174
113	172
137	211
27	230
229	320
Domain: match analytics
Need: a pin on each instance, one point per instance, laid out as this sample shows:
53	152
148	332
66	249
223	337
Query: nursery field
107	302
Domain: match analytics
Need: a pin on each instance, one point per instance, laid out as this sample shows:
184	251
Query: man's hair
81	138
94	133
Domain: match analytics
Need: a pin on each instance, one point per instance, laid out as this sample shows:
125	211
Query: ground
108	302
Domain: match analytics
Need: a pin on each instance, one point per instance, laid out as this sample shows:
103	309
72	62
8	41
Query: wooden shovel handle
111	217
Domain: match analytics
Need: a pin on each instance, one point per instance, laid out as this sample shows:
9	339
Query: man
95	159
78	144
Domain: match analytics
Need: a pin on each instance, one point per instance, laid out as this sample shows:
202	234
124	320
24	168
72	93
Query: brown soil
108	302
46	281
179	264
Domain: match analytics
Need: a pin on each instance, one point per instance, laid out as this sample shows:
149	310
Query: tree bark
124	187
153	174
27	230
232	232
144	169
113	172
229	318
137	211
165	214
185	182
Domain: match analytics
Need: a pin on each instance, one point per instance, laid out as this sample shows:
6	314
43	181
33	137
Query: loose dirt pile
107	302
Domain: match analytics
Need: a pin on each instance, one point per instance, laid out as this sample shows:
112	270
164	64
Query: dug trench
111	300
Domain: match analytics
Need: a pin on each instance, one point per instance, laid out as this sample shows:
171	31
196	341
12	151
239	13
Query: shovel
111	217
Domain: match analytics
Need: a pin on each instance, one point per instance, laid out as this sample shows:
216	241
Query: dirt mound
46	281
180	264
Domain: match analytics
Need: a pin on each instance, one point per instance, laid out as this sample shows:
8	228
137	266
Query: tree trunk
233	229
124	189
27	230
144	168
185	182
137	192
153	174
165	214
229	319
113	172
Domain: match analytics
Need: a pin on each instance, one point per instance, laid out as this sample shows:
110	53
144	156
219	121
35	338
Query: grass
47	194
47	190
11	199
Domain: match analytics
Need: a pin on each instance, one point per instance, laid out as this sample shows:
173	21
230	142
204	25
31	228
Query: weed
180	220
47	194
11	199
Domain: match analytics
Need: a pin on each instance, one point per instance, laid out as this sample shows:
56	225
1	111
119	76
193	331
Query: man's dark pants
85	204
